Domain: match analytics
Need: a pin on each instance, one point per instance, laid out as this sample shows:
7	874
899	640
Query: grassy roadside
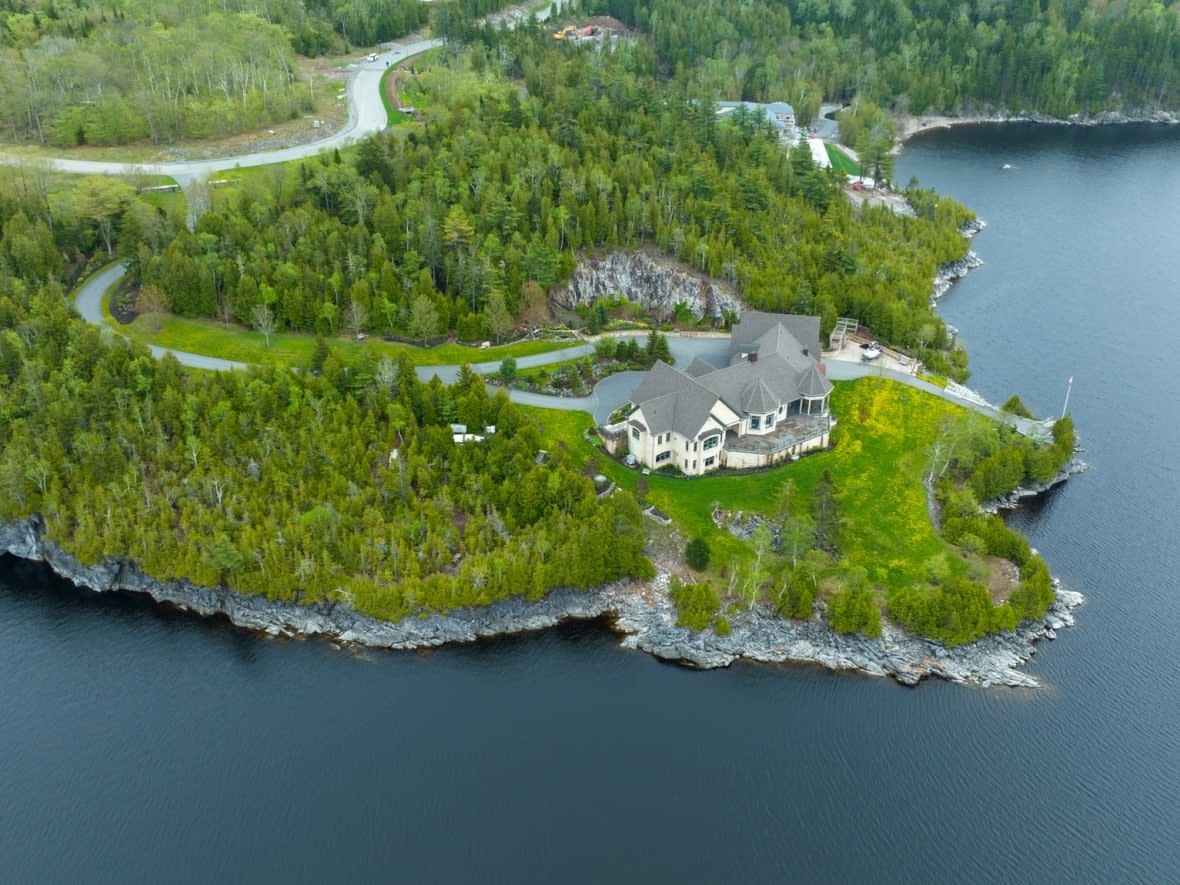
841	162
243	345
393	116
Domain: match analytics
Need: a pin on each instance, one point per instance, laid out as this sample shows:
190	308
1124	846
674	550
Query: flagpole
1068	388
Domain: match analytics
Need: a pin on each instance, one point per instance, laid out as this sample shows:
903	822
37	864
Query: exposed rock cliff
657	284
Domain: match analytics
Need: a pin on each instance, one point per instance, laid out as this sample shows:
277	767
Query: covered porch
791	436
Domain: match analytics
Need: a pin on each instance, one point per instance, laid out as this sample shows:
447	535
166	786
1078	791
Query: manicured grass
236	343
841	162
882	443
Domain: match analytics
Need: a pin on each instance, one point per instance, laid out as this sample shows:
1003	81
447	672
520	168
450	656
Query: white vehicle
372	56
871	351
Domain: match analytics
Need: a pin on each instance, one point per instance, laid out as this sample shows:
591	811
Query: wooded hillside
922	56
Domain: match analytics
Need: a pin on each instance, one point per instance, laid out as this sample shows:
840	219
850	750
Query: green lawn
243	345
883	438
841	162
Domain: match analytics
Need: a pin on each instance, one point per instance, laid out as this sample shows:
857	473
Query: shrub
1015	406
953	613
998	539
507	369
797	599
696	604
1034	594
697	554
853	611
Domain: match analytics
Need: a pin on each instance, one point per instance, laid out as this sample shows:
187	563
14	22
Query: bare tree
264	320
356	318
153	304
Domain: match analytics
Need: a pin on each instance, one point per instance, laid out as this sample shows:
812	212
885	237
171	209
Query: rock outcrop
643	613
655	283
952	271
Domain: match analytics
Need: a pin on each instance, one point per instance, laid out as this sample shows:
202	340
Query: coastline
642	613
906	126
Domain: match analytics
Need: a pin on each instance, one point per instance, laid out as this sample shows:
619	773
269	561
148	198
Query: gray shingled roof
671	400
681	401
773	371
757	398
814	383
756	323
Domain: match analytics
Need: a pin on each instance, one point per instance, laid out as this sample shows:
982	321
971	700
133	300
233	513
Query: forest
344	483
81	72
78	72
304	488
530	156
1055	57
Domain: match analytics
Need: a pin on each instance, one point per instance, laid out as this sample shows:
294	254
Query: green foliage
998	474
201	74
869	130
952	612
1034	594
696	554
696	604
797	596
853	610
507	370
346	487
825	512
1015	406
997	538
930	57
465	214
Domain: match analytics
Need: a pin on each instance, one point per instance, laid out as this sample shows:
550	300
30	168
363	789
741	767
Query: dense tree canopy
345	488
1056	56
533	154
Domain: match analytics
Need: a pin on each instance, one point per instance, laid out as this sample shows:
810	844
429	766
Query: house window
634	433
663	456
712	443
709	462
770	421
755	422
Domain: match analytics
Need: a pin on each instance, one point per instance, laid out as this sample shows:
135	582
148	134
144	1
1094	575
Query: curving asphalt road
366	114
608	394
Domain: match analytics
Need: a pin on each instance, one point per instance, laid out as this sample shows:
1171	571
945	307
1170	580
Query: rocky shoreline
909	126
953	271
643	613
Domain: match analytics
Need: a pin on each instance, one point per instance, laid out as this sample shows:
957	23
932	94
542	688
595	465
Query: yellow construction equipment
564	32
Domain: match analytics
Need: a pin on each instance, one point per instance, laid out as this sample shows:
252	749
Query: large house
778	114
770	403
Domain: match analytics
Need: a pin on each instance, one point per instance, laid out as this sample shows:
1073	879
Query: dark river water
142	745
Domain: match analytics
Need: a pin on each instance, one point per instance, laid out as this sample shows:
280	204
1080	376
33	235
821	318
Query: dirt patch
122	304
1003	577
607	23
